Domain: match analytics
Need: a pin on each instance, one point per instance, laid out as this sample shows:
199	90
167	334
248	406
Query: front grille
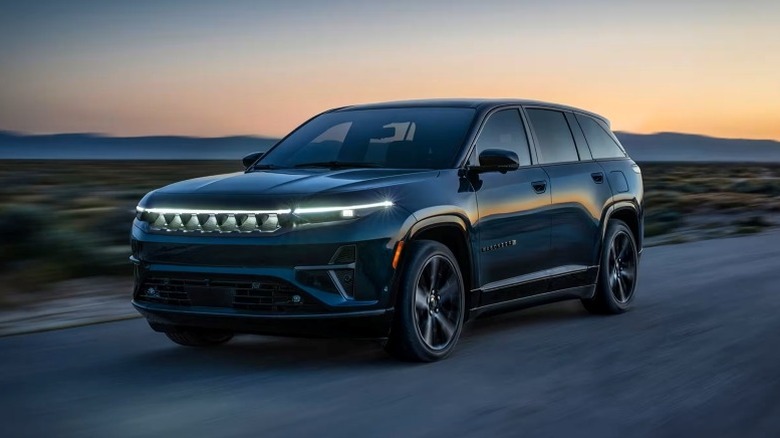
344	255
212	222
263	294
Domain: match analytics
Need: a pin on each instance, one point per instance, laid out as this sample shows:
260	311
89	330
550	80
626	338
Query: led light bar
342	208
196	212
238	221
208	221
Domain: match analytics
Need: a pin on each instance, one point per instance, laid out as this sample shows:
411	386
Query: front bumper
329	281
356	324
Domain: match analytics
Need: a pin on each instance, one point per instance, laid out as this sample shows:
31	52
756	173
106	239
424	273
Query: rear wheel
430	304
199	338
618	271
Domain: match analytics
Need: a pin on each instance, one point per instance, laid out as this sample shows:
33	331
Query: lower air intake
263	294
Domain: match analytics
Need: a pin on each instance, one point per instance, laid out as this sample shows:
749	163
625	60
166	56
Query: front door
514	219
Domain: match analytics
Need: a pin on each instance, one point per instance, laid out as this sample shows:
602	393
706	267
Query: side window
505	130
601	144
556	144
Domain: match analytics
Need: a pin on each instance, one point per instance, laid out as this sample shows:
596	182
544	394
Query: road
698	356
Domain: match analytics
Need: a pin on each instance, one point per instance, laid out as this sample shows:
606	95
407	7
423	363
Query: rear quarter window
601	144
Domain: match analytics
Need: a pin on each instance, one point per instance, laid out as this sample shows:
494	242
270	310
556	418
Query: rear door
579	192
514	220
622	173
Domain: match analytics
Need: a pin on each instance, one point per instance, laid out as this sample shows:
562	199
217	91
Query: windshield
411	138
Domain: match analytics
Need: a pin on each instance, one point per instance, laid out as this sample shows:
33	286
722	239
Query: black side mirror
497	160
251	158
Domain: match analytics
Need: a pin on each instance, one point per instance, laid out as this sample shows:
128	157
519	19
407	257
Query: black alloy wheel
430	306
617	277
622	267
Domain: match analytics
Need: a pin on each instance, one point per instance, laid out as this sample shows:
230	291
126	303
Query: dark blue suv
399	221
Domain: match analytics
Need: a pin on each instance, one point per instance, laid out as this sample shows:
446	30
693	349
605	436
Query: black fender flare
609	211
446	219
434	221
617	206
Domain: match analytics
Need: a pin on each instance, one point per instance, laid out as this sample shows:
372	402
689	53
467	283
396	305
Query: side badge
499	245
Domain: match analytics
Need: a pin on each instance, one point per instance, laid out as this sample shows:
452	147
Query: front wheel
617	273
430	306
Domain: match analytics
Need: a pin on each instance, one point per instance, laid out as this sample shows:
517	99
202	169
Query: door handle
539	186
598	177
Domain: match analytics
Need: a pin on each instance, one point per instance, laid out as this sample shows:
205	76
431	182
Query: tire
199	338
617	272
428	314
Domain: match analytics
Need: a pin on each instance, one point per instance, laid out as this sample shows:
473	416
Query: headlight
330	213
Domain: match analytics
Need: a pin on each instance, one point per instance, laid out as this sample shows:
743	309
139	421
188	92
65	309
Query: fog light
152	292
296	299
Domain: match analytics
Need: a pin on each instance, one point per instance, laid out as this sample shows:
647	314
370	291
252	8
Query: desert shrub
113	226
655	199
41	246
18	225
763	186
722	202
691	187
753	221
664	216
653	229
659	221
745	229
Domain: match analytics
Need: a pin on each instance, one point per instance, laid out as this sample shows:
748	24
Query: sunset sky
212	68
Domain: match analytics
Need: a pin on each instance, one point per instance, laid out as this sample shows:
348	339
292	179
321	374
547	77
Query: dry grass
705	200
61	220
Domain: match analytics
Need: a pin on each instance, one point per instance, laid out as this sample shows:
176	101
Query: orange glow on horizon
261	70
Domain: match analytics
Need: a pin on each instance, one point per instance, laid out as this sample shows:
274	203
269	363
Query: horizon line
268	137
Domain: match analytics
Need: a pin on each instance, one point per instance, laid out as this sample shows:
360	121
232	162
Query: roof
465	103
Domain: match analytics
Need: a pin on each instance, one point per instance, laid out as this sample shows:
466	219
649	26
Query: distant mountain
664	146
99	147
670	146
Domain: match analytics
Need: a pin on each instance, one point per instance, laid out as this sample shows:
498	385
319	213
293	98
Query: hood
298	182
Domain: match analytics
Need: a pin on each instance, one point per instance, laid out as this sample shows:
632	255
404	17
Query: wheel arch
452	231
630	214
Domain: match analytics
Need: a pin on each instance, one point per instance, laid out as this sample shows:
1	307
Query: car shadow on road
290	355
264	352
521	319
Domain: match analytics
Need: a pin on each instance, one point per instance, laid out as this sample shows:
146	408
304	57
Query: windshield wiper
339	164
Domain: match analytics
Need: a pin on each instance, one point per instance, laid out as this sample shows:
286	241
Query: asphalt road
698	356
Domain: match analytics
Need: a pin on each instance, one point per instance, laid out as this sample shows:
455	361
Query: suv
396	220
